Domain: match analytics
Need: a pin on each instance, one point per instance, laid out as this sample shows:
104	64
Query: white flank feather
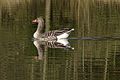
63	36
63	41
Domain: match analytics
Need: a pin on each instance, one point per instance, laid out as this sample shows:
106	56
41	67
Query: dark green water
91	60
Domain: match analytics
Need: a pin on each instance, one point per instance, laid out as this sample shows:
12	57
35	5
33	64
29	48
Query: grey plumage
51	39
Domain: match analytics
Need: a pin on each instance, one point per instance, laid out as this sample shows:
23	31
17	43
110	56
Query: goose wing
56	32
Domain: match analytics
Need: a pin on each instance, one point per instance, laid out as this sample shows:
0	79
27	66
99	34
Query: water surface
91	60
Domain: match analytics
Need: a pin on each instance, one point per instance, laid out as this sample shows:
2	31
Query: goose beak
34	21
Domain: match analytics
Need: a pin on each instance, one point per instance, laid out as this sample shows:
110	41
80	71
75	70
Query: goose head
38	20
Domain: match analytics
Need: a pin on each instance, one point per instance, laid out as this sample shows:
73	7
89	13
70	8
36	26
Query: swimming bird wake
95	38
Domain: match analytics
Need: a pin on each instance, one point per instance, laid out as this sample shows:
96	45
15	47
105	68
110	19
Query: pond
90	59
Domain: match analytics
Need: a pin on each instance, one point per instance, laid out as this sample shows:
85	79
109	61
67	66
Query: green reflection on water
91	60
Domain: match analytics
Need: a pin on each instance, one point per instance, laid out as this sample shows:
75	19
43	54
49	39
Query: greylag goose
51	39
50	35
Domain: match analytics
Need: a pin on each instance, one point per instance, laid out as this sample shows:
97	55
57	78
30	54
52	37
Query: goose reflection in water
51	39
